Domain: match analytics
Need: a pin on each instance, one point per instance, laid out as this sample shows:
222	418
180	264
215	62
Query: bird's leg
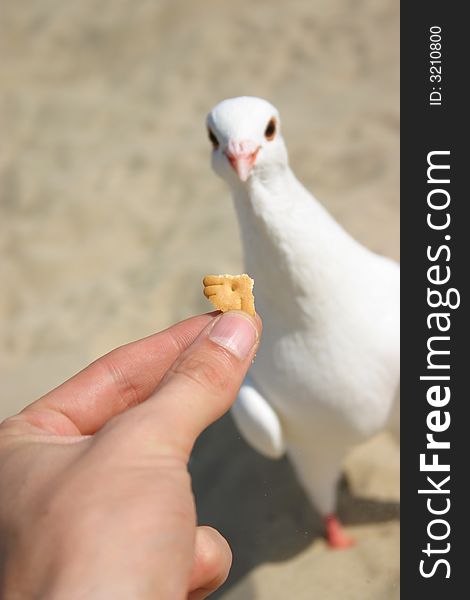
335	534
320	479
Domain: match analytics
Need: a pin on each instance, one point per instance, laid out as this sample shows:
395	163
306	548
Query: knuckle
216	550
214	558
126	389
213	373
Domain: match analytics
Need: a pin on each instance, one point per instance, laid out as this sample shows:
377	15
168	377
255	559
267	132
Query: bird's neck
291	244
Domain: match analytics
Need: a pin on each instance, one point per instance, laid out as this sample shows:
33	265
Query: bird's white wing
257	422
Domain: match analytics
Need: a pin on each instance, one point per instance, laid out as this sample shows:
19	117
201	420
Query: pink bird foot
335	535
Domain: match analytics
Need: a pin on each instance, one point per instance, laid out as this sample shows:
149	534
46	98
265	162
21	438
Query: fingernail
235	333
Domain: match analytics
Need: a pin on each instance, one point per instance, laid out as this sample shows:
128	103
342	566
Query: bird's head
245	134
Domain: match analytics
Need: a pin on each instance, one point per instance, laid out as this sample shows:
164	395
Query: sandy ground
109	210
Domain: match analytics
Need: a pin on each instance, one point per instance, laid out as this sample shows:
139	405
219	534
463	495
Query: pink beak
242	157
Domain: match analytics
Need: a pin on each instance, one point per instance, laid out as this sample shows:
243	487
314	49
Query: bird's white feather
258	422
328	364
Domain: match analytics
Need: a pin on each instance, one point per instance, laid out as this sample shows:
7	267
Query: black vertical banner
435	262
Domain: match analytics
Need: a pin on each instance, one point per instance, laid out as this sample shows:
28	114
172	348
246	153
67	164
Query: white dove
327	372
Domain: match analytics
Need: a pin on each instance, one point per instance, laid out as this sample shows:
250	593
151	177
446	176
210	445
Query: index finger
122	378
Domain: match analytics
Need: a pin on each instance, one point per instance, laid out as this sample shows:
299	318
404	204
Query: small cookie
230	292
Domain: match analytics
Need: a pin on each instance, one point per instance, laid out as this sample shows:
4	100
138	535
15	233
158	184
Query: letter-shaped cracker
230	292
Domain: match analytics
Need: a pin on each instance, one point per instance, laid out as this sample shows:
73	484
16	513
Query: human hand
95	495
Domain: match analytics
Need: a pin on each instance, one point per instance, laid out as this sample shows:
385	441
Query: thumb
201	384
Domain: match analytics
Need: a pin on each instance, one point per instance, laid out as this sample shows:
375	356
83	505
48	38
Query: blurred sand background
110	216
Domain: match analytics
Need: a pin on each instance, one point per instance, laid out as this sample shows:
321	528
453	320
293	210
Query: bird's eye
213	139
270	130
